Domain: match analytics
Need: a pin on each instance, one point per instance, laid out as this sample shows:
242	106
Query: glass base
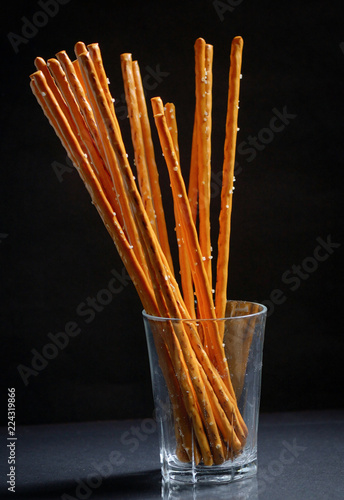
225	473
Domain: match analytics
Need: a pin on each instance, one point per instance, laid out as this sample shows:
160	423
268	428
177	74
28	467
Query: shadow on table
136	486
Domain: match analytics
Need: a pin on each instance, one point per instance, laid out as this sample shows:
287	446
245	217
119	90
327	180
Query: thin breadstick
78	73
97	59
137	138
203	290
41	65
151	166
193	174
112	161
69	83
41	101
171	119
84	123
203	121
185	271
227	178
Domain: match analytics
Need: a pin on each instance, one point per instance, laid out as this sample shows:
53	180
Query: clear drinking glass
207	424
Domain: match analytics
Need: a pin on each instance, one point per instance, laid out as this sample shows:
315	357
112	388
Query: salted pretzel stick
59	75
137	138
181	420
82	116
151	245
41	65
78	73
227	178
65	74
203	290
151	165
203	121
112	162
185	271
50	117
97	59
193	174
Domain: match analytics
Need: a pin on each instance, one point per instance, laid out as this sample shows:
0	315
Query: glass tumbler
206	381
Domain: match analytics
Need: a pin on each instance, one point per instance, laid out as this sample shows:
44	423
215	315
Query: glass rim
261	312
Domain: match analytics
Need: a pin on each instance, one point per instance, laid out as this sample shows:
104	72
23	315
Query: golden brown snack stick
41	65
203	290
97	59
203	67
227	178
78	73
185	271
137	138
112	160
193	174
73	92
151	165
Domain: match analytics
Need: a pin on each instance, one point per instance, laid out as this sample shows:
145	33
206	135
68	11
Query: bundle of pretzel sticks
75	97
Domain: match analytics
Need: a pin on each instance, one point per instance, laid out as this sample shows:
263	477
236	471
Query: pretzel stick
112	162
64	73
193	174
203	121
227	179
61	81
40	98
185	271
137	138
41	65
78	73
203	291
151	165
84	123
97	59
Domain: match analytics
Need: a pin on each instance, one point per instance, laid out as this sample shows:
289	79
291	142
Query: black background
55	251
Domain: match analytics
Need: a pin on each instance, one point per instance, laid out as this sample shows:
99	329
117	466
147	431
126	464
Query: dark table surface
301	457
